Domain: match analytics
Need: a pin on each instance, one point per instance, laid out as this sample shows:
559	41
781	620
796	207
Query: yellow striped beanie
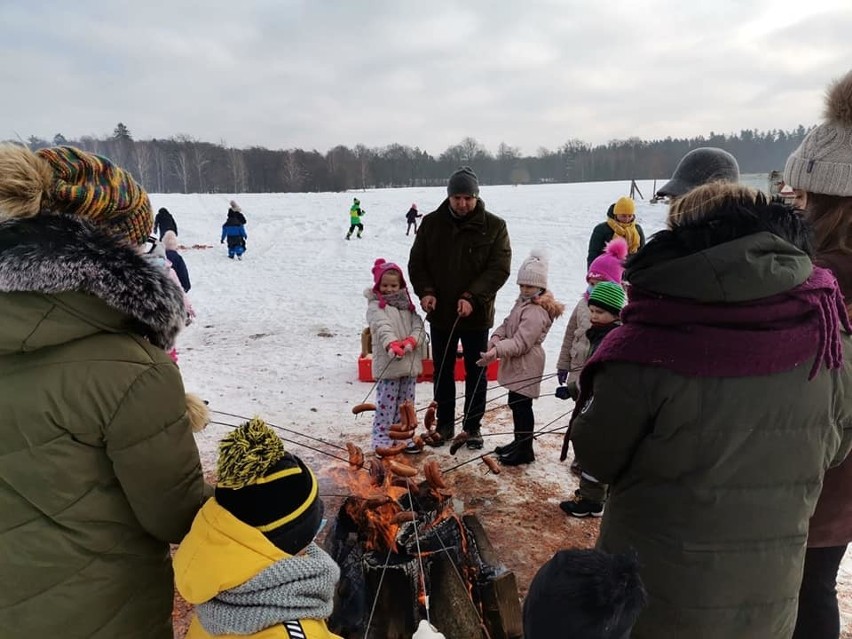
267	488
66	180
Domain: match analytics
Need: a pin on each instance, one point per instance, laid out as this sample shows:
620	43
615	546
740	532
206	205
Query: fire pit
404	550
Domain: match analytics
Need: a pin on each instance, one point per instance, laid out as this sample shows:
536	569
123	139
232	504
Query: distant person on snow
234	230
355	213
411	217
164	221
398	333
621	222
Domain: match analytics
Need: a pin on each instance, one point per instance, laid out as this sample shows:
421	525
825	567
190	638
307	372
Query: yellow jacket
221	552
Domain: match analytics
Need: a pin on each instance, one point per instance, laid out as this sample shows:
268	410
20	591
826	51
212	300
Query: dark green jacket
714	479
99	470
452	258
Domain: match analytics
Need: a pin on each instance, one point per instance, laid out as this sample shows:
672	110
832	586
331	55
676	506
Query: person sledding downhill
234	231
355	213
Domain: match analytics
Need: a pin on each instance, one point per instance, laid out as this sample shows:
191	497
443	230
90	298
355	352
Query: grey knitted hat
701	166
463	182
823	161
533	271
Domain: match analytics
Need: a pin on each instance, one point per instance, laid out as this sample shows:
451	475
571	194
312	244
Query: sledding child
605	303
517	342
249	564
607	267
397	334
234	230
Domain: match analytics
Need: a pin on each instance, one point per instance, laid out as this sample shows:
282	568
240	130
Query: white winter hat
533	271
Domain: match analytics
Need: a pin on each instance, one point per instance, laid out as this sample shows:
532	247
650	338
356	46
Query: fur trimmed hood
549	303
55	254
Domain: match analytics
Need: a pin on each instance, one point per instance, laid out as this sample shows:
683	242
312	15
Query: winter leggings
390	393
523	417
473	343
236	250
410	224
819	617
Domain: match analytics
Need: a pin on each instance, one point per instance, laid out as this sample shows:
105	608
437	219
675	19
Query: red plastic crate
365	370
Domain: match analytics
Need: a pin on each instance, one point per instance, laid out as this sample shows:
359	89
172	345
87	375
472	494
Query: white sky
316	73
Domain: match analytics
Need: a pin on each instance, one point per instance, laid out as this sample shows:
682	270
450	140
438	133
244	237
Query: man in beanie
620	222
587	594
100	471
700	166
820	173
250	565
460	258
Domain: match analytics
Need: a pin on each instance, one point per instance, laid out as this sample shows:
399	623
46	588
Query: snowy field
278	334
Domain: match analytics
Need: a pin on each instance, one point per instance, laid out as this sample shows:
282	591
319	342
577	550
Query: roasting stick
419	555
282	428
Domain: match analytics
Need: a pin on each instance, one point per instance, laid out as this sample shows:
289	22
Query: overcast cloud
314	73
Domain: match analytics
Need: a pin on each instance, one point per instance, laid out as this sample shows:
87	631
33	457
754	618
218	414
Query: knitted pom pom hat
533	271
609	296
624	206
382	266
66	180
266	487
823	161
609	265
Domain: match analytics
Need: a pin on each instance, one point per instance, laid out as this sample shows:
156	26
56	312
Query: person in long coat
714	412
100	471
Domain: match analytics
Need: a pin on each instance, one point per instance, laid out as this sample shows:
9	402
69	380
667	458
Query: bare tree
181	162
142	152
200	159
237	166
293	173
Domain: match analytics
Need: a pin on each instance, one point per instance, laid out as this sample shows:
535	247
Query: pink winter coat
518	342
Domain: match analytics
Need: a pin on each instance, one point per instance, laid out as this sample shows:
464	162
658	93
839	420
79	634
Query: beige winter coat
390	324
575	344
518	342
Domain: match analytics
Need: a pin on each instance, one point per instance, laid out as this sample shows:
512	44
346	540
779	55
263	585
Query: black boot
522	453
507	448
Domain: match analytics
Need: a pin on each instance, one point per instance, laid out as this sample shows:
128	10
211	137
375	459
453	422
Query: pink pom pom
617	248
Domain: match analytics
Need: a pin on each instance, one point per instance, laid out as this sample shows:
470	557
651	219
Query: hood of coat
219	553
747	268
550	304
85	282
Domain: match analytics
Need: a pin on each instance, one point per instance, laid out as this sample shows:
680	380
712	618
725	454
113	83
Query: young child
249	564
397	333
584	593
234	229
355	213
607	267
605	303
517	342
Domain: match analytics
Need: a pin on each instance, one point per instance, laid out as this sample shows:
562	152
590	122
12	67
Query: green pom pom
247	453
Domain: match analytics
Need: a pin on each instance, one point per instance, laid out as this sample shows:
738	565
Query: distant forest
182	164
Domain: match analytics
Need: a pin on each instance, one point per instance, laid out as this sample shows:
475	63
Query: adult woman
820	172
99	467
621	222
714	413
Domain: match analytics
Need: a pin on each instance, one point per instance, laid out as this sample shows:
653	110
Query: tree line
183	164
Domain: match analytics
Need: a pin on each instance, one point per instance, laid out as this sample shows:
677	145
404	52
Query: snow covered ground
278	334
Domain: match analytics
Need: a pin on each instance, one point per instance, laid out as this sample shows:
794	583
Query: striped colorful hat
91	186
266	487
609	296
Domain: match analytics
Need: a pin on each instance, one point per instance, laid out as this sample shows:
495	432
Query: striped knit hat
609	296
67	180
266	487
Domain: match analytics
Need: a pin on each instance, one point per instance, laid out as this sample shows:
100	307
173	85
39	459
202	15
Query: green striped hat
609	296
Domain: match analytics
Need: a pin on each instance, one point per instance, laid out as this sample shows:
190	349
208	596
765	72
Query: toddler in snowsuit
605	303
517	342
234	231
607	267
249	564
355	213
397	332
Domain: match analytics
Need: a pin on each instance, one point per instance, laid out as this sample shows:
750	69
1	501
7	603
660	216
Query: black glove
561	375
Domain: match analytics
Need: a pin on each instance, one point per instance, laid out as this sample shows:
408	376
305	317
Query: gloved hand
425	630
396	349
487	357
409	344
562	375
221	241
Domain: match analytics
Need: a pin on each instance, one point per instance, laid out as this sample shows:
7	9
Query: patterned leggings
390	393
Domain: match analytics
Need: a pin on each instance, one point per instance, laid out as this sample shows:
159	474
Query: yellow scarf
627	231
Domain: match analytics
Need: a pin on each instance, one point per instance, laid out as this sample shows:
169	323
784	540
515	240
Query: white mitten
427	631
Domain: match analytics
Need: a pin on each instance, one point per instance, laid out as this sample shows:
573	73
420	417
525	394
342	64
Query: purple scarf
761	337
